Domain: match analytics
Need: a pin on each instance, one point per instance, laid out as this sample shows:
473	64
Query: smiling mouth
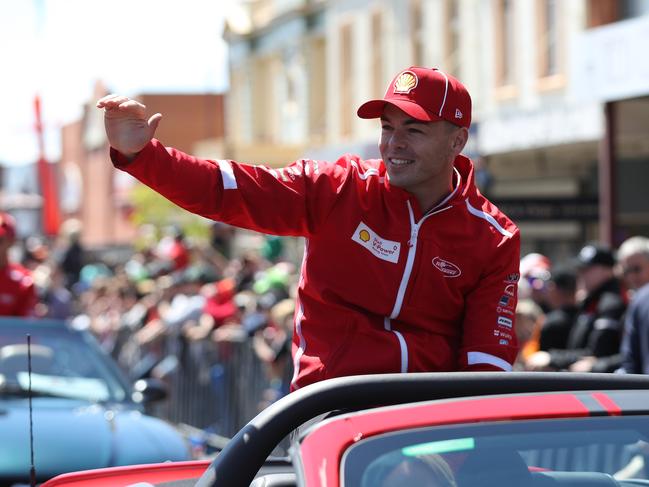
401	162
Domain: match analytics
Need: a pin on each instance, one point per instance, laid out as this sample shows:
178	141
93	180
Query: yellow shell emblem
364	235
406	82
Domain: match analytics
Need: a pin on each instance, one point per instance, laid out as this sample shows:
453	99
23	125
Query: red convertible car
439	430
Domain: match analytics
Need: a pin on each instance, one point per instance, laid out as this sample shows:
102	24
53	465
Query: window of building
346	80
316	74
238	85
262	94
601	12
378	53
452	37
417	32
548	38
505	46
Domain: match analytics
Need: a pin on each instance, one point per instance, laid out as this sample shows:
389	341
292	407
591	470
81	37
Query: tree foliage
149	208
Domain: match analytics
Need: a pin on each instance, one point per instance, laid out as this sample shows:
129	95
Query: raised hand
127	128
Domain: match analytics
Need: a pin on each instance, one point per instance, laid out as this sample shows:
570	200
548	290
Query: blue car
85	413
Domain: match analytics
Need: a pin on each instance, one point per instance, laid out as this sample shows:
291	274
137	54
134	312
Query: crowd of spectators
175	296
588	314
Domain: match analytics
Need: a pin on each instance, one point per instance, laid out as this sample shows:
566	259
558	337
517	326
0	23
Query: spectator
272	345
56	301
535	272
634	260
221	239
633	256
562	301
173	250
529	320
219	309
17	290
72	257
594	340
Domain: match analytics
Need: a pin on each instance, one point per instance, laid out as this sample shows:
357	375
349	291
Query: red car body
320	452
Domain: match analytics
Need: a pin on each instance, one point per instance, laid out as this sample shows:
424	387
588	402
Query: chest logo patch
447	268
380	247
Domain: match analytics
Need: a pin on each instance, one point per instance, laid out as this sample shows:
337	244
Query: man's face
418	155
593	276
636	270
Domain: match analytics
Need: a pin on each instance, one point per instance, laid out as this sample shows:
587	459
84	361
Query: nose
397	139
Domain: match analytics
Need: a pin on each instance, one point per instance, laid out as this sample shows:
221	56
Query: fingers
154	120
111	101
121	103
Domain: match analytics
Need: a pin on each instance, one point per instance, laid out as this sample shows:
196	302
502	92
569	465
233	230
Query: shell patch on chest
380	247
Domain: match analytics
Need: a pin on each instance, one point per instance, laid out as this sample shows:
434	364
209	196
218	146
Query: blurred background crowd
212	319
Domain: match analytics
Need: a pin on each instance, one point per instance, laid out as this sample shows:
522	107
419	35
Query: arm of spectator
631	358
607	364
214	257
200	330
230	333
262	348
563	359
151	331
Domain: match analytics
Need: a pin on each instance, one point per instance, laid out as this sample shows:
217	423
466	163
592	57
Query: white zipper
405	278
412	249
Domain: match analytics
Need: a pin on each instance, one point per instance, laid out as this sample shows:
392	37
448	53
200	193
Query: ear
459	139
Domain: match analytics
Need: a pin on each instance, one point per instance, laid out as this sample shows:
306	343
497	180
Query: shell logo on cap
364	235
406	82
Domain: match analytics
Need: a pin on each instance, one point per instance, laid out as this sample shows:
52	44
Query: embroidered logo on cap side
406	82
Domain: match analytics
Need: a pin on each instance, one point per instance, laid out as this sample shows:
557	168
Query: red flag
50	212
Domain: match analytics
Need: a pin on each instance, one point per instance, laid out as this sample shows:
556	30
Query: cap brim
374	109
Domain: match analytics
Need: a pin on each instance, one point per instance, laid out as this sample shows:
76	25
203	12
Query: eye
415	131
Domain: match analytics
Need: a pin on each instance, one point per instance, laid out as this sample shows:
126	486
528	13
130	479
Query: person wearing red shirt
407	266
17	292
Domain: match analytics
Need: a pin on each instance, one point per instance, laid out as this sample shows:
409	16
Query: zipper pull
413	236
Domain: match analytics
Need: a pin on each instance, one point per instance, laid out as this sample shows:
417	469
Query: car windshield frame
448	441
82	371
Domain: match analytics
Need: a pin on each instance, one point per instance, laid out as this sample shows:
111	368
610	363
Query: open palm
127	128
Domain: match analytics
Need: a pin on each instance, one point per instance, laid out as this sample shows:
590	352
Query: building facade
97	194
299	70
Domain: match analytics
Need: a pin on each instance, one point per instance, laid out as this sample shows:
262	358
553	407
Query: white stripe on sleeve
475	358
229	181
489	218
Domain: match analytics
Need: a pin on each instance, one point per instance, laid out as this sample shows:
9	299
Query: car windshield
580	451
64	364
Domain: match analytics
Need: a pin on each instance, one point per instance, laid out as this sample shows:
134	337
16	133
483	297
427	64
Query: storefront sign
552	125
529	209
610	63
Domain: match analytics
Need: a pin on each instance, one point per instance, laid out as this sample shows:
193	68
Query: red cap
7	225
426	94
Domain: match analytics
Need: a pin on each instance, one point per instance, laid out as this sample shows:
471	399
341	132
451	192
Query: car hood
72	435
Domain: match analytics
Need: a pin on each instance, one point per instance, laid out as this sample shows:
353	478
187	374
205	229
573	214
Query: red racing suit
383	287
